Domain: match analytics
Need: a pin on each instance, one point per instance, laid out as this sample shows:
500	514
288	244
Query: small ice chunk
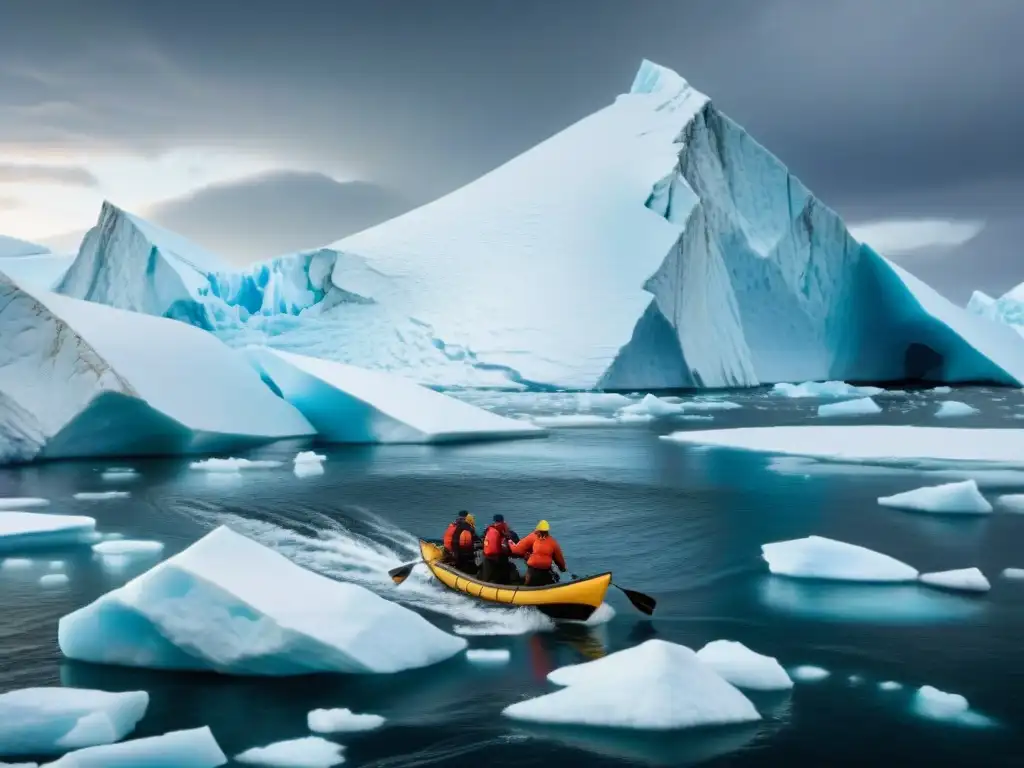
652	406
128	547
24	530
55	565
309	457
743	667
941	390
710	405
23	502
1013	573
816	557
488	655
231	465
654	686
53	580
633	418
308	469
119	475
1012	502
961	498
574	420
966	579
195	748
824	389
46	721
307	752
101	495
341	721
950	707
808	673
863	406
694	417
15	564
890	685
953	408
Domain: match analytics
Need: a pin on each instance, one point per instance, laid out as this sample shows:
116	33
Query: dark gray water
681	523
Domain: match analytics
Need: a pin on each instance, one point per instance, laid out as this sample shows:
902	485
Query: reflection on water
888	603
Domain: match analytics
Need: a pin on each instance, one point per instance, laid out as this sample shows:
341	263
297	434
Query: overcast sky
904	115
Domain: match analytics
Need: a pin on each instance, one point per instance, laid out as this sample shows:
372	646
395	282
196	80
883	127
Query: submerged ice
736	274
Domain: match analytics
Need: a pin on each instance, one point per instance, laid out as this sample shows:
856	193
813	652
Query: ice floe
117	547
962	498
934	704
1012	502
47	721
53	579
16	563
890	685
23	502
488	655
26	530
863	406
1013	573
816	557
823	389
196	748
656	685
808	673
966	579
101	495
341	721
306	752
953	408
230	605
743	667
232	465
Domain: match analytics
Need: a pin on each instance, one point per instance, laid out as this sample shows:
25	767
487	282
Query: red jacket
496	540
540	551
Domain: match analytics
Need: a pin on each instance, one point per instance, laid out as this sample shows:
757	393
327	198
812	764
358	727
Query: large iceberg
82	379
46	721
652	244
230	605
354	405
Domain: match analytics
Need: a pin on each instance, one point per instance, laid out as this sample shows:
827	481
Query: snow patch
816	557
962	498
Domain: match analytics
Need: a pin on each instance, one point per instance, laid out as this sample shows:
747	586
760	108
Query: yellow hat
471	519
543	526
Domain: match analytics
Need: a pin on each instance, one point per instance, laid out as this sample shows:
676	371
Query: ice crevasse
651	244
81	379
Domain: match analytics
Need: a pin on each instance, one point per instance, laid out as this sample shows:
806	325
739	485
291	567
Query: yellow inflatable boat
568	601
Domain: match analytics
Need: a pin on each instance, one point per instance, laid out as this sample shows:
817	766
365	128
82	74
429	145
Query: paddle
402	572
643	603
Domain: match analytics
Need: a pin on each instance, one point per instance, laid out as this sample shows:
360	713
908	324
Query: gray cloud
883	108
275	213
46	174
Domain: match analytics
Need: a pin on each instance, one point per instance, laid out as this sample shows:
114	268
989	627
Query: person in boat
497	568
540	550
461	543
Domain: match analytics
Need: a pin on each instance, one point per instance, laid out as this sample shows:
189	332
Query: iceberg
42	271
966	579
863	406
883	445
816	557
743	667
195	748
823	389
706	264
227	604
25	530
354	405
81	379
934	704
307	752
46	721
950	498
654	686
341	721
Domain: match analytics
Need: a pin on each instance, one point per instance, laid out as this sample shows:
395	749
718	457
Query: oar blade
401	573
643	603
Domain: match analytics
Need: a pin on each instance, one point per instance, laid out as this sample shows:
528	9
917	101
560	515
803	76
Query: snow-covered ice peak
654	78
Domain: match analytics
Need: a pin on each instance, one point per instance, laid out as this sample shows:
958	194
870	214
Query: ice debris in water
743	667
53	579
55	565
307	752
824	389
656	685
654	407
232	465
117	547
949	707
890	685
488	655
941	390
15	564
953	408
24	530
119	475
965	579
950	498
46	721
864	406
1013	573
309	457
808	673
342	720
228	604
24	502
573	420
194	748
1012	502
816	557
101	495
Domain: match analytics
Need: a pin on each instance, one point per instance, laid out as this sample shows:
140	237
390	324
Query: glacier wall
652	244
